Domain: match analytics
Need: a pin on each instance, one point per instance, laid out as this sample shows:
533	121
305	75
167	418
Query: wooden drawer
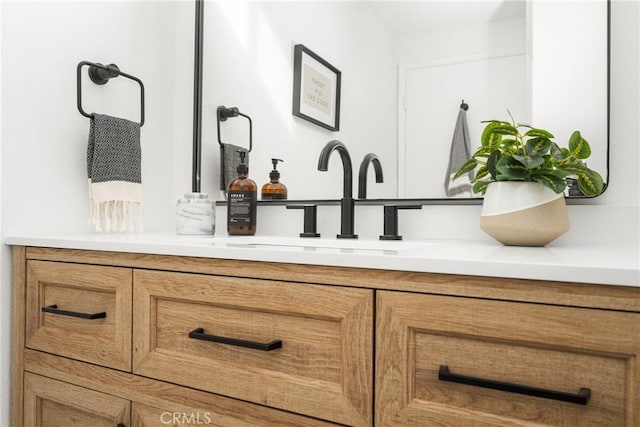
323	368
80	291
237	414
53	403
551	348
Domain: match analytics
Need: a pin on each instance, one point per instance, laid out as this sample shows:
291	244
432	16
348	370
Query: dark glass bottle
242	206
274	190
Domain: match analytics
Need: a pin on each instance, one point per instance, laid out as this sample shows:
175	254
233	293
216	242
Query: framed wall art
316	89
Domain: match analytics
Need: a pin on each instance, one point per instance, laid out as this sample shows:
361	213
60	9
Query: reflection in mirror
406	67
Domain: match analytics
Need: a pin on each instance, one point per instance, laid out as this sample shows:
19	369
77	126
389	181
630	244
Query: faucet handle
310	219
391	221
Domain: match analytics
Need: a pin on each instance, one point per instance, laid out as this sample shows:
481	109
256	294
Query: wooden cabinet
52	403
283	353
468	361
194	341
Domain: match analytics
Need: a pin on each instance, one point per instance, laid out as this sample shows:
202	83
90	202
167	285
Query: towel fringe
116	216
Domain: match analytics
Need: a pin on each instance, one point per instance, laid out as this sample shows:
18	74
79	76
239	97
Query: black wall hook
100	74
224	113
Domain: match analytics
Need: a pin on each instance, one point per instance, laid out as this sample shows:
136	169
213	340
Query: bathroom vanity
151	330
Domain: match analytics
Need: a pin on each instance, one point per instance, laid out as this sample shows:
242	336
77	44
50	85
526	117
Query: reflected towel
458	155
229	161
114	171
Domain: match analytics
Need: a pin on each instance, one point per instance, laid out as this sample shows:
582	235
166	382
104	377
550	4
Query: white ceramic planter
523	213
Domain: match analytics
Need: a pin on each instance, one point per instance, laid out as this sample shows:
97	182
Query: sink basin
318	243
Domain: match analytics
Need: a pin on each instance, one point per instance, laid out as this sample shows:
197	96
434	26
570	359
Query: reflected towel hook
100	75
223	113
464	105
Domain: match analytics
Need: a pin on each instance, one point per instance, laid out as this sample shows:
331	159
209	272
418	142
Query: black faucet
347	204
362	175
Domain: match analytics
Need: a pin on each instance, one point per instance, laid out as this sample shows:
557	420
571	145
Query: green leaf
493	159
482	172
498	122
467	167
551	181
481	152
509	145
530	162
480	186
574	169
489	139
512	169
539	133
578	146
503	129
556	151
538	146
589	181
560	173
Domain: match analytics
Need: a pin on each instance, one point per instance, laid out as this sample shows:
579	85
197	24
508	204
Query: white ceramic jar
195	215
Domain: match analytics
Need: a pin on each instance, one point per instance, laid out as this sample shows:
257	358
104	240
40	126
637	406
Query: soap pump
274	190
242	202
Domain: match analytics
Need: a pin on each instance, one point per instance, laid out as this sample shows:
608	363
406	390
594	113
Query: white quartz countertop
600	264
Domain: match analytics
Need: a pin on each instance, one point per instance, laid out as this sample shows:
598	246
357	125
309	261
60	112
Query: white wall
558	43
500	38
44	137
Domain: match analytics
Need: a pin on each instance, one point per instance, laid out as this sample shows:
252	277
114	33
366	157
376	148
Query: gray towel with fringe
229	161
114	158
458	155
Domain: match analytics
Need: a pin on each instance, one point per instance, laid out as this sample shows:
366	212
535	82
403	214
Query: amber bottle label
274	196
241	208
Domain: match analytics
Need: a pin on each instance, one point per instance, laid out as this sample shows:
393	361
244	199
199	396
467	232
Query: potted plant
523	174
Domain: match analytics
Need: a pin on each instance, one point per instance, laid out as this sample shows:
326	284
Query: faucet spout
362	175
323	165
347	204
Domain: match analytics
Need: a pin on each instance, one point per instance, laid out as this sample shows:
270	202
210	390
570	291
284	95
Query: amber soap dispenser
274	190
242	198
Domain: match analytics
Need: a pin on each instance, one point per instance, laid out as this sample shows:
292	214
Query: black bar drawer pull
200	335
580	398
54	309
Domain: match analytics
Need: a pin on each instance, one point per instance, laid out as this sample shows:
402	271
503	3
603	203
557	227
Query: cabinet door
80	311
452	361
52	403
302	348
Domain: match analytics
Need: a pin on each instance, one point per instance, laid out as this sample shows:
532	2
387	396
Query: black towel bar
100	74
223	113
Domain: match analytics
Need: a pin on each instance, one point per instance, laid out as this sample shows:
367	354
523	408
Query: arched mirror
406	67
